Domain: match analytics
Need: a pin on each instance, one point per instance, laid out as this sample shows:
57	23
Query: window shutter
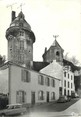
29	76
22	75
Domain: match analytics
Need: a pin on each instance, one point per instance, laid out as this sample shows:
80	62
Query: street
68	109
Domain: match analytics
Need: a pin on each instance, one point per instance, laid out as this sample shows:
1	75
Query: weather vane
55	36
21	5
11	5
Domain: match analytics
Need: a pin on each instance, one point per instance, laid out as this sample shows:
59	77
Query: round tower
20	41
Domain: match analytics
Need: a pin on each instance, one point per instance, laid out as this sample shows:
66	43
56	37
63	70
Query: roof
37	66
55	43
20	23
74	67
20	19
53	46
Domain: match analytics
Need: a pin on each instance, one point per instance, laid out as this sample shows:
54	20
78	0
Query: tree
72	59
2	59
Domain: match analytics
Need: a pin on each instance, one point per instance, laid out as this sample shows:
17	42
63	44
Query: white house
68	81
30	87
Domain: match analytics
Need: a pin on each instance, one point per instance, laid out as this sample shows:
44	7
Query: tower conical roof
21	22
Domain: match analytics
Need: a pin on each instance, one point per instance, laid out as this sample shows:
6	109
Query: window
21	24
71	85
47	81
41	95
64	91
25	76
64	83
53	96
41	79
64	74
57	53
68	75
71	77
68	85
20	96
52	82
68	92
21	33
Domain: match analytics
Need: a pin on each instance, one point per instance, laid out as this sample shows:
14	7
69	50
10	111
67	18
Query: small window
58	53
21	33
47	81
21	24
68	85
64	74
41	79
52	82
71	85
25	76
71	77
64	83
68	75
64	91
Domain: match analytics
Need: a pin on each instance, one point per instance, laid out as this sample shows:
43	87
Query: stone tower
55	52
20	41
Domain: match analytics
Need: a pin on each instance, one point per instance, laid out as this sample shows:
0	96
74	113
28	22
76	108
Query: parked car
62	99
74	95
13	109
68	98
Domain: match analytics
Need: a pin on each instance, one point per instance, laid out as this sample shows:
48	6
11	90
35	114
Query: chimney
45	49
13	15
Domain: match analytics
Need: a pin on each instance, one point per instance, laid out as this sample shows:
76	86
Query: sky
46	18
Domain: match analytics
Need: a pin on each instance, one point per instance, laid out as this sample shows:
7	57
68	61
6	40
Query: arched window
41	95
53	96
58	53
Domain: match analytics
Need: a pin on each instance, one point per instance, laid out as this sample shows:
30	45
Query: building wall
32	86
68	78
20	48
55	52
4	81
54	69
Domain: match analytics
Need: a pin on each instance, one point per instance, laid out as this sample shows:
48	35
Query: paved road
69	109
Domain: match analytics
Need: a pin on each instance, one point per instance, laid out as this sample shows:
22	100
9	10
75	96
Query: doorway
32	98
47	96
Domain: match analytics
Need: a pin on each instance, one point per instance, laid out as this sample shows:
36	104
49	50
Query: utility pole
55	36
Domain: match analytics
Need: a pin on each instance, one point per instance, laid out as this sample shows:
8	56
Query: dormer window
21	24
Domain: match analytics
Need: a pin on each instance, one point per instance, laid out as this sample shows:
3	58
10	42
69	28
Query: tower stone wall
20	41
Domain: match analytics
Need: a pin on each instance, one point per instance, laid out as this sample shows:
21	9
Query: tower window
57	53
21	24
21	33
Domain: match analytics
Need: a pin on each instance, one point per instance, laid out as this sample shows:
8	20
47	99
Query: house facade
68	81
30	87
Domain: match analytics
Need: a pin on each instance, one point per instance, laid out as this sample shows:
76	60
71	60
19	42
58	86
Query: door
32	97
47	96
